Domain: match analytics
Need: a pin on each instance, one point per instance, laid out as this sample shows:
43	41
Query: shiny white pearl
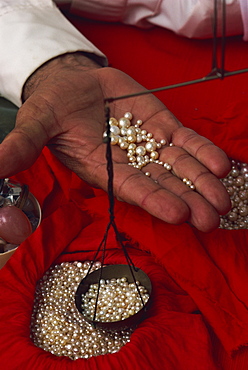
124	145
131	138
151	146
131	131
113	121
114	140
124	122
154	155
140	150
115	130
128	115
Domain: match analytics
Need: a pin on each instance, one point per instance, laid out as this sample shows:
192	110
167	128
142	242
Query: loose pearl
154	155
114	140
124	122
128	115
140	150
113	121
115	130
132	146
131	138
151	146
131	131
167	166
124	145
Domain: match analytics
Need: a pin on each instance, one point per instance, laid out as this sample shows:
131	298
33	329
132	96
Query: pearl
124	145
131	131
140	150
124	122
113	121
132	146
128	115
167	166
114	140
139	139
151	146
131	138
123	132
154	155
115	130
141	160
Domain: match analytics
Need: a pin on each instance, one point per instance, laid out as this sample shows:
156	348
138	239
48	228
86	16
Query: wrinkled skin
64	110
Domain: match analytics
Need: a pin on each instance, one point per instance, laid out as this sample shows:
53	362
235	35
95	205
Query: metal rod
164	88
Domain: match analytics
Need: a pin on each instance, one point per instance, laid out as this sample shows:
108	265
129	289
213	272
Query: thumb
23	145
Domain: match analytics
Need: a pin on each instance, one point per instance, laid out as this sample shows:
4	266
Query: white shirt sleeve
32	32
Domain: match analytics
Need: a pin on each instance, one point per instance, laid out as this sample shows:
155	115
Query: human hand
64	109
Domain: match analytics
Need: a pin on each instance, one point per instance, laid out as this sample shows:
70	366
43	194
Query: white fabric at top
244	12
34	31
194	18
191	18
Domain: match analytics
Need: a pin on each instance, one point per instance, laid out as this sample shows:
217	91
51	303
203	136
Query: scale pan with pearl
115	272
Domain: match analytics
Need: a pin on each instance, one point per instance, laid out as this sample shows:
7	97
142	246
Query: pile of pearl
140	145
236	184
117	300
57	326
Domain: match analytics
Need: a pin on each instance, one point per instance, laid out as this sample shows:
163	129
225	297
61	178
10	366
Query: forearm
62	62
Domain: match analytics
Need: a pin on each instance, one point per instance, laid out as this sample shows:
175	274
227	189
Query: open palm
64	109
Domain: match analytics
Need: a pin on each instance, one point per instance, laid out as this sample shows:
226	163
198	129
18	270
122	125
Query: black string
215	73
111	223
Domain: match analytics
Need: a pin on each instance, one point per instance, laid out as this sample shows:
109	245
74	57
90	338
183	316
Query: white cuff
31	37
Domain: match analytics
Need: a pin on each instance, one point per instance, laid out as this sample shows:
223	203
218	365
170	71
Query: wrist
81	60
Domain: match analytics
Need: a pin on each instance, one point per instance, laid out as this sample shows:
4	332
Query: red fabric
190	270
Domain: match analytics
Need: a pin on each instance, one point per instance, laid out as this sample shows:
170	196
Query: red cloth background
199	319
